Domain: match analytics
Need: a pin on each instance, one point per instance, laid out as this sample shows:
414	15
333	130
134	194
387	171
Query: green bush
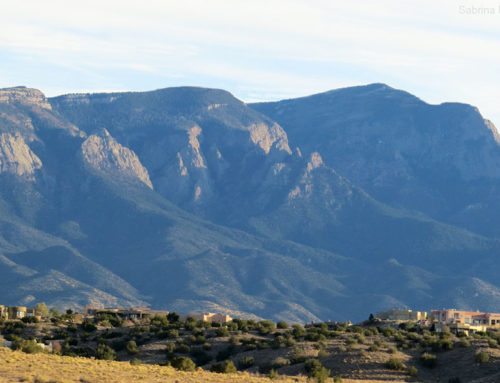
428	360
482	357
222	331
282	325
105	352
298	357
394	364
246	362
183	363
280	362
182	348
31	347
492	343
464	343
226	367
131	347
30	320
273	374
412	371
298	331
135	362
266	327
315	370
88	326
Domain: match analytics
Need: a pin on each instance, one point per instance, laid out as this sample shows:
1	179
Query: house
453	316
4	312
212	317
130	313
403	315
17	312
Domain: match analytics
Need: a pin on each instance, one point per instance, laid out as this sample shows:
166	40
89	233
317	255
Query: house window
493	321
467	320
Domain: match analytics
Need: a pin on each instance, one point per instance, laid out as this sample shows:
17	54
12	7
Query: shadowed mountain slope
188	199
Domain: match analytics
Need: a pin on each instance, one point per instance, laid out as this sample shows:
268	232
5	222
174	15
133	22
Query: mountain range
330	206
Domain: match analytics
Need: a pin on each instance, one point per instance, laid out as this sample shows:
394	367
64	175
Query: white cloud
273	47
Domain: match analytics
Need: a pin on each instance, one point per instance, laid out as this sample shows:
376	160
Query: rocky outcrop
25	96
267	137
104	154
17	158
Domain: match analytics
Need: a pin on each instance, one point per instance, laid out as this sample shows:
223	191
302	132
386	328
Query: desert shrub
182	348
131	347
392	350
322	354
394	364
290	342
105	352
298	357
492	343
262	345
273	374
207	346
31	347
412	371
350	341
378	343
298	331
222	331
373	348
170	348
356	329
388	331
428	360
316	370
246	362
337	379
173	317
183	363
280	362
360	338
108	319
464	343
266	327
88	326
226	367
482	357
282	325
29	320
135	362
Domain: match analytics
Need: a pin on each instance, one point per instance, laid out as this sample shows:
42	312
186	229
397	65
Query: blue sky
258	50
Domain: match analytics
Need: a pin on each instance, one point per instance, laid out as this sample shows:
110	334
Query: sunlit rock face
107	156
17	158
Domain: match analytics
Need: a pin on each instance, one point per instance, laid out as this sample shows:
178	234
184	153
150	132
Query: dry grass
44	368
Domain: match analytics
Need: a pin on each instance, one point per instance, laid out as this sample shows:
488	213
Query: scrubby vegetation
323	352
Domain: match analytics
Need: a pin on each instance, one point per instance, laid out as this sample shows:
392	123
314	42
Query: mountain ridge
195	200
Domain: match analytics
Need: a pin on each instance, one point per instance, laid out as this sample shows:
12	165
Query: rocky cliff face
26	96
105	155
17	158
